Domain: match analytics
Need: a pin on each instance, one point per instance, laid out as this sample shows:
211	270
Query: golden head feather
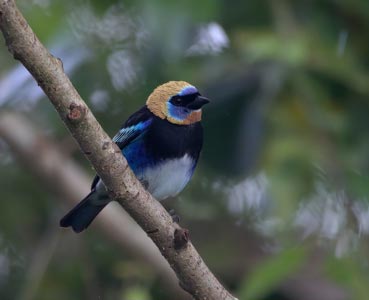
157	102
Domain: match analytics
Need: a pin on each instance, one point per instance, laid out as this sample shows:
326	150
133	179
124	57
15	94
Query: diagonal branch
104	155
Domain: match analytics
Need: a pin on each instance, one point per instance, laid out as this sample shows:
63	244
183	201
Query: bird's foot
174	216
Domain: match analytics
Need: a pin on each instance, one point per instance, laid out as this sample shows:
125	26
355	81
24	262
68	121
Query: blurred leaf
136	293
264	45
350	273
271	273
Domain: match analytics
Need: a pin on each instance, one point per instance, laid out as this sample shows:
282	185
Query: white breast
169	177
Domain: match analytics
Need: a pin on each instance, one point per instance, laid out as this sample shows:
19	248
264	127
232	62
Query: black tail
82	214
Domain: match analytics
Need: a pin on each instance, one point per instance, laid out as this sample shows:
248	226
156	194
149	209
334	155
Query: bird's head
177	101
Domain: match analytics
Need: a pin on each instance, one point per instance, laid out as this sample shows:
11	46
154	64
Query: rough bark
106	158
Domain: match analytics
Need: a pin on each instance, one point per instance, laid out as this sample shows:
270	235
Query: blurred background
279	205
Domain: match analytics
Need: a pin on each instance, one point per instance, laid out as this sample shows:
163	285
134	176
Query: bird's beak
198	102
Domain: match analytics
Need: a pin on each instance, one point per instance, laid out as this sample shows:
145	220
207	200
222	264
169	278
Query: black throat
168	140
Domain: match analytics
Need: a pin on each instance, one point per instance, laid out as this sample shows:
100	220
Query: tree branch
104	155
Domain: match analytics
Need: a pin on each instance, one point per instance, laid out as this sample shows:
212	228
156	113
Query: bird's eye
176	101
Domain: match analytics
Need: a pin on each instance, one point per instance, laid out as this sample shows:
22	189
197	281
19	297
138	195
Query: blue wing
134	127
128	134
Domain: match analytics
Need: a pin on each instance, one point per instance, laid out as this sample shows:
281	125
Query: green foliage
268	275
351	274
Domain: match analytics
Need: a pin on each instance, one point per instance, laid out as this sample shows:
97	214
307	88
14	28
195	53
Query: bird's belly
169	177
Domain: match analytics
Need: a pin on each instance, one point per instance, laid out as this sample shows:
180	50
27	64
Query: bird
161	142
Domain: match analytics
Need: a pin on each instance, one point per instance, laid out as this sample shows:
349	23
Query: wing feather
131	129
